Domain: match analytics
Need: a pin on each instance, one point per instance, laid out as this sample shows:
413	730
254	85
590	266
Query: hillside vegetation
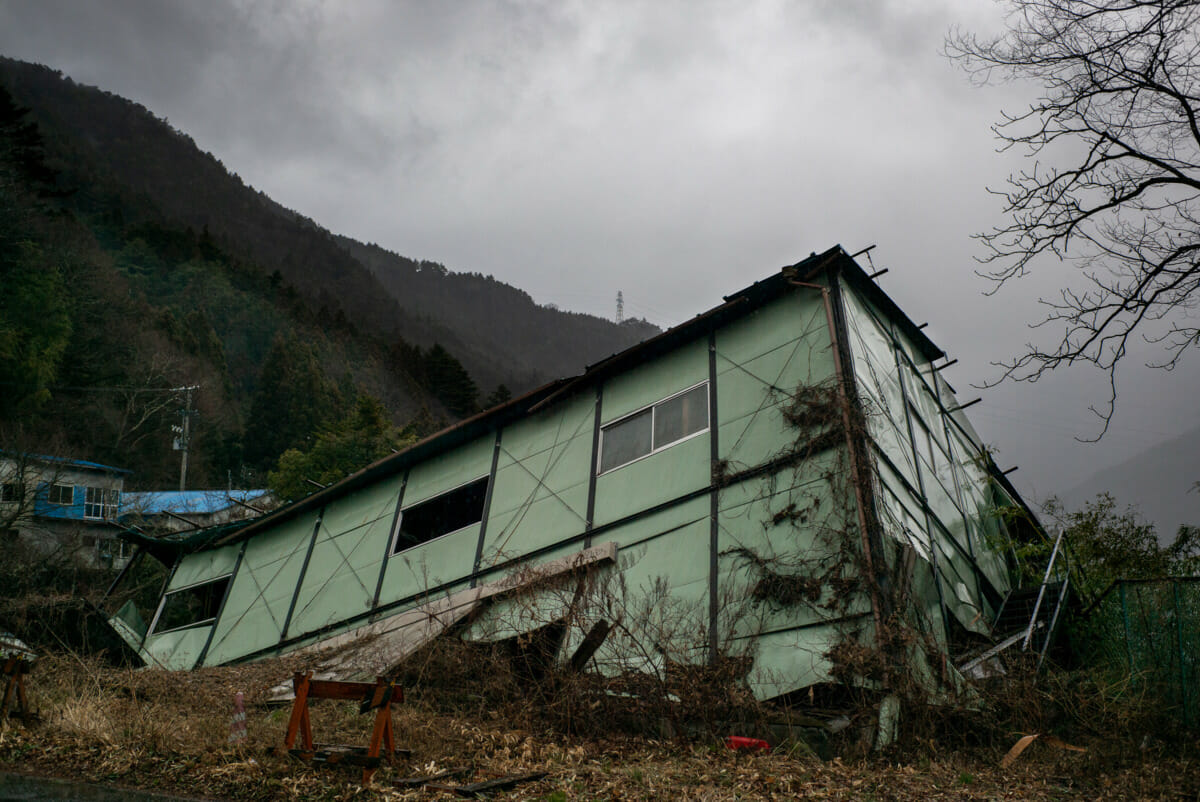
135	263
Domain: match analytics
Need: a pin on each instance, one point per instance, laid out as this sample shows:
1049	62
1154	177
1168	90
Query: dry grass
168	731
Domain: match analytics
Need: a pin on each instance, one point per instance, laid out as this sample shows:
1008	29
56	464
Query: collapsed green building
773	479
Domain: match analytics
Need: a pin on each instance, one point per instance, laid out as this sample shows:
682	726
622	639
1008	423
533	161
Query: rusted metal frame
187	521
393	533
221	607
487	508
312	543
714	453
593	469
852	447
244	504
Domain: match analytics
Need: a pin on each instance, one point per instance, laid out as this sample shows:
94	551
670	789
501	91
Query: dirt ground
168	731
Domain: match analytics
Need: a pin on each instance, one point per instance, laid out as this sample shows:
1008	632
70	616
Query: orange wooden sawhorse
13	676
377	696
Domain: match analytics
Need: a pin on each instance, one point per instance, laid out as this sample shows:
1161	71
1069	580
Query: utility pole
183	431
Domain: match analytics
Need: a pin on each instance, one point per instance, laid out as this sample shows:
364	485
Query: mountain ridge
1160	482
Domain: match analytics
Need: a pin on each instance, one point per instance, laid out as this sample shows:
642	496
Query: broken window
441	515
654	428
191	606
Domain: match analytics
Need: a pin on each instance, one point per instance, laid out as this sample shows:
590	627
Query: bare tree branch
1119	112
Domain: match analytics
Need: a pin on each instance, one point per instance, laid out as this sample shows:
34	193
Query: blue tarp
181	502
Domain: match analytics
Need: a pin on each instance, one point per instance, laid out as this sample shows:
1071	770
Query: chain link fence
1150	629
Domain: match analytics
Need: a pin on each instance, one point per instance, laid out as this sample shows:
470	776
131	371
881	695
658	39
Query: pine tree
294	400
449	382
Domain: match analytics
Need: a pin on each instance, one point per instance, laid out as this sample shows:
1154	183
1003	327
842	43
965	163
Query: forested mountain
134	263
1163	482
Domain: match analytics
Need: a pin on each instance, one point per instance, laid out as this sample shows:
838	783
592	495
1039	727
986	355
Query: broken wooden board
487	786
375	649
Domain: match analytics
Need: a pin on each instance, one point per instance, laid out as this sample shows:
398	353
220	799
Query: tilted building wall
741	537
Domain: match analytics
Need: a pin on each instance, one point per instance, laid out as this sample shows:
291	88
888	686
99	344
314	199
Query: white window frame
654	448
110	499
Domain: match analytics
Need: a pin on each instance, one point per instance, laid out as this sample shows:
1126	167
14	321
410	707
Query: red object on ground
742	742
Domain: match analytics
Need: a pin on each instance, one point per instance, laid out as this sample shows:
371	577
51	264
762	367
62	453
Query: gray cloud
676	151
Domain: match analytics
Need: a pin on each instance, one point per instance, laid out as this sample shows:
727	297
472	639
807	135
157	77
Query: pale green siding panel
677	561
652	480
755	439
879	385
982	516
654	381
344	569
541	487
794	523
955	488
447	471
761	360
178	649
800	315
203	566
422	568
256	605
510	615
561	422
543	518
786	661
901	514
659	590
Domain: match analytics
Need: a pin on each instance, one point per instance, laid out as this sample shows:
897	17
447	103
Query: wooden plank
339	689
487	786
591	642
457	773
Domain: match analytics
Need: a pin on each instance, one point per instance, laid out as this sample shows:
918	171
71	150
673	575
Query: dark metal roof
833	262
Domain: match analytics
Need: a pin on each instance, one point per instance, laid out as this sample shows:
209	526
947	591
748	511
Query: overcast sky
673	151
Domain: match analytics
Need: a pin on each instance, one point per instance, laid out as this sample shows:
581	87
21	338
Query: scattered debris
742	742
481	788
457	773
1023	744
